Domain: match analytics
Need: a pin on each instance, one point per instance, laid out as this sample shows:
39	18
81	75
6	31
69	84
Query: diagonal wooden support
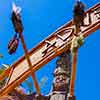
30	64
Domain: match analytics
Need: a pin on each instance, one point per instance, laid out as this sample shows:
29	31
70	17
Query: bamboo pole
29	63
73	74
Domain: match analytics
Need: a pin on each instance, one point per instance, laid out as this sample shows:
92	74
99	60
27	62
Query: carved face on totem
60	83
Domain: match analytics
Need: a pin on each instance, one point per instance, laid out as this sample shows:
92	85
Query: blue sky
40	18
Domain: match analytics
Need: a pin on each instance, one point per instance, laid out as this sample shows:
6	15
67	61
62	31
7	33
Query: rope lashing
77	41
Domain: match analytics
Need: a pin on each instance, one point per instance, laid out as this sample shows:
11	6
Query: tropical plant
2	69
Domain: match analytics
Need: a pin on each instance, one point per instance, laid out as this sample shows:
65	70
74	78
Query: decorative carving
97	13
67	31
62	72
49	46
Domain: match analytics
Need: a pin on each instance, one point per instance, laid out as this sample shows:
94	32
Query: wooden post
73	74
74	51
29	63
